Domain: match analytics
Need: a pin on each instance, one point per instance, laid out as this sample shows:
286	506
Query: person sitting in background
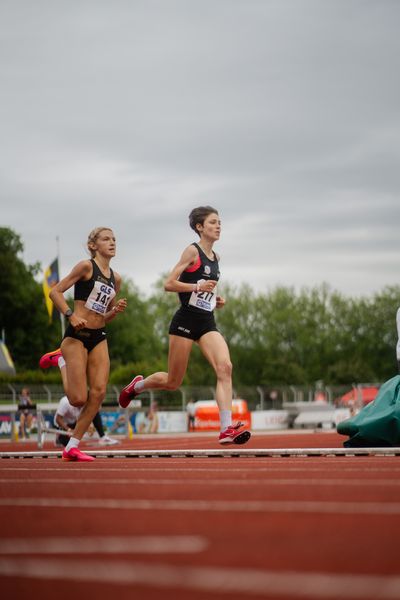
25	407
65	419
147	422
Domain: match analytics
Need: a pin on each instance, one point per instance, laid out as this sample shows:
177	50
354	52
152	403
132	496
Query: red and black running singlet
203	269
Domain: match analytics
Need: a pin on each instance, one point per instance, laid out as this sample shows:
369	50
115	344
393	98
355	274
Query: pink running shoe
128	393
50	359
76	455
232	435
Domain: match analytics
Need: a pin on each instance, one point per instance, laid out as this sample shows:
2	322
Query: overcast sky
284	115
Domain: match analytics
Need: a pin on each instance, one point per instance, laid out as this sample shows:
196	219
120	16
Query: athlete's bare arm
80	271
188	258
116	306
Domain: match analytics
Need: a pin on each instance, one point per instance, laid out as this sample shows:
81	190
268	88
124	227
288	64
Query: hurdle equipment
211	453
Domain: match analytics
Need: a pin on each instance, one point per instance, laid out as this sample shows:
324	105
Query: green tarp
378	423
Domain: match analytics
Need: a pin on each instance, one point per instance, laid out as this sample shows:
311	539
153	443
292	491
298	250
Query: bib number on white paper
100	297
204	300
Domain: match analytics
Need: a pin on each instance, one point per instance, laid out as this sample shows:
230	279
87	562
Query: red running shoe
128	393
50	359
76	455
232	435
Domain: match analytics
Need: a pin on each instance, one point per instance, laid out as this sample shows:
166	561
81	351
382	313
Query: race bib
204	300
100	297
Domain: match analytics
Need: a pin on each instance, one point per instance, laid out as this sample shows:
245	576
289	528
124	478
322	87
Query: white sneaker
106	440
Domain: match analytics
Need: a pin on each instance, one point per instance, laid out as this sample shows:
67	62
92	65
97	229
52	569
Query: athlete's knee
173	384
98	392
223	369
77	400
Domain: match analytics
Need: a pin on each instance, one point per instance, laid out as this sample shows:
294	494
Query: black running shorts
89	337
192	324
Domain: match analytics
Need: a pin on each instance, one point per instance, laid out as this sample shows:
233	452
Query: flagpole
62	318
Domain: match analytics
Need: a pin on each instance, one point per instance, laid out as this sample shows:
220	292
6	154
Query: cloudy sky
283	114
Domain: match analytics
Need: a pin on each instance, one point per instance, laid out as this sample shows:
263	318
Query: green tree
23	313
285	337
131	336
278	337
162	306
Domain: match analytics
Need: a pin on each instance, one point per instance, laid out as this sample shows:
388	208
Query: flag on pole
51	278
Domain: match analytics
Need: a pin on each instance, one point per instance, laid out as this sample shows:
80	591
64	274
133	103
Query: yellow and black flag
51	278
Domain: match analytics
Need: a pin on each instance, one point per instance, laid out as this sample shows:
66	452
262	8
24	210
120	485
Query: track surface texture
318	527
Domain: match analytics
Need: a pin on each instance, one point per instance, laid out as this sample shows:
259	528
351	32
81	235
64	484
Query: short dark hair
198	216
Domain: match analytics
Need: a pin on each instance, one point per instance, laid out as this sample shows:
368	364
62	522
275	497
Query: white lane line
268	584
151	469
253	506
149	544
213	482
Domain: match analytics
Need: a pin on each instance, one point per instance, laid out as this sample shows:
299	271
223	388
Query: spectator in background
148	422
65	419
25	407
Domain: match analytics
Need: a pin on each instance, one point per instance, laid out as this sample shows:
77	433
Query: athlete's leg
216	351
54	359
98	369
98	424
63	371
74	371
29	418
22	425
178	358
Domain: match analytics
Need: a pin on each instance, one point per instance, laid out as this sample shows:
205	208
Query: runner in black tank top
84	346
195	279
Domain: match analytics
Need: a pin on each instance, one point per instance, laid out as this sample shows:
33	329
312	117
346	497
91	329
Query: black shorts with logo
89	337
192	324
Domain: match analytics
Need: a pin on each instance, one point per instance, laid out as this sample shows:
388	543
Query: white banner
172	422
269	419
342	414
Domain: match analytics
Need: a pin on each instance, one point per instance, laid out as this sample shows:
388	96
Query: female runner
195	279
84	346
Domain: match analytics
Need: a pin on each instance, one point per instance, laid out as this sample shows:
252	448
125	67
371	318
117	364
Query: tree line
278	337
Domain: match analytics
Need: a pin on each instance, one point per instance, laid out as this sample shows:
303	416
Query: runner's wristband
198	284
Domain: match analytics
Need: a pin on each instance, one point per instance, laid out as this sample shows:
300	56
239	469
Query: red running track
229	527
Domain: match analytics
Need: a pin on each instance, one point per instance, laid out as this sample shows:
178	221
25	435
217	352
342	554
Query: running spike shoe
233	435
76	455
128	392
50	359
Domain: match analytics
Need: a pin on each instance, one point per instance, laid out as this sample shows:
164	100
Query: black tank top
83	288
204	268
